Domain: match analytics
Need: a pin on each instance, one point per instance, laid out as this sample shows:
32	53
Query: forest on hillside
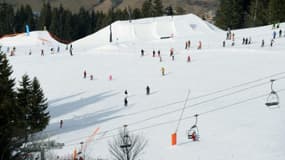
70	26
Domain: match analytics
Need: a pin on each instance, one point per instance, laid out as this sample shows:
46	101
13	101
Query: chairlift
272	100
193	132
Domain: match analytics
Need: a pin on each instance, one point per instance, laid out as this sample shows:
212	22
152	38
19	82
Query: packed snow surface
228	88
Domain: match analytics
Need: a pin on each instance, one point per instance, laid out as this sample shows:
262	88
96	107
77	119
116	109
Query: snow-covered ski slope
149	29
229	87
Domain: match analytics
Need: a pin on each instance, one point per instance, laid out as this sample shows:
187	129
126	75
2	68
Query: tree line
249	13
22	111
71	26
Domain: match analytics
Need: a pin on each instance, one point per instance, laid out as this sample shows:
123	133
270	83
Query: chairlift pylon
272	100
193	132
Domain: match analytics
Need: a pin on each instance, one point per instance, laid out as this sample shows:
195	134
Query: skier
84	74
142	52
153	53
51	51
186	45
246	40
199	45
147	90
233	36
262	43
158	53
91	77
42	52
70	50
271	43
224	43
160	59
280	33
194	136
60	123
126	93
172	57
274	35
162	71
233	43
189	44
126	101
189	59
243	40
58	49
171	51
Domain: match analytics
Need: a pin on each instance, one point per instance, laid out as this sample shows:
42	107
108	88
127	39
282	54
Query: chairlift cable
187	117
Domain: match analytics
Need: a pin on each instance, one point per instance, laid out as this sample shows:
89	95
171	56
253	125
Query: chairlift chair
194	129
272	100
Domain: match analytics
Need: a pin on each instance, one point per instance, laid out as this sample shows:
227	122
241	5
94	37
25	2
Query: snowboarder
126	101
84	74
60	123
147	90
162	71
189	59
224	43
262	43
142	52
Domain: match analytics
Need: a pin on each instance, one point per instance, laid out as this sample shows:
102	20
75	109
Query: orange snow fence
58	39
10	35
173	139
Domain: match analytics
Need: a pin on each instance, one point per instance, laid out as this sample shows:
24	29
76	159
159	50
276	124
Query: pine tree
229	14
24	96
276	12
39	117
158	8
136	13
147	9
45	16
6	19
258	13
11	130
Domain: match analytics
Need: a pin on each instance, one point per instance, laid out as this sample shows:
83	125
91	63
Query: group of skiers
85	75
126	95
